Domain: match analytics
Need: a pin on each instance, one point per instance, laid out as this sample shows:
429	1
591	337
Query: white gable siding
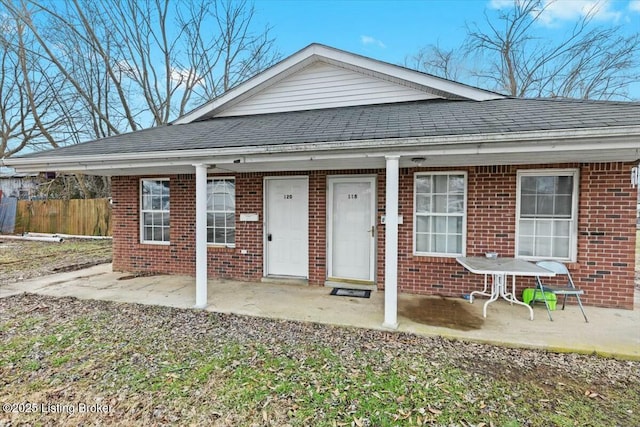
321	85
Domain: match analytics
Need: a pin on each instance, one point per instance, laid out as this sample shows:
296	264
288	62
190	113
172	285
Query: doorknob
269	237
373	231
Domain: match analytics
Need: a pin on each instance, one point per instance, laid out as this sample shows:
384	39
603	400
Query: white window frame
573	236
143	211
463	215
224	245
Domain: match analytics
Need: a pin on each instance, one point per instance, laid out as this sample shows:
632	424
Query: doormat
357	293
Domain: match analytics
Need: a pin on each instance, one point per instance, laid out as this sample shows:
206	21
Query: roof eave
576	140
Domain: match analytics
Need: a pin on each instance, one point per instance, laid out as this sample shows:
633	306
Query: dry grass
151	365
24	259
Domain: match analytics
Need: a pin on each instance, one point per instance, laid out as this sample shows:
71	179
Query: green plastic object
529	294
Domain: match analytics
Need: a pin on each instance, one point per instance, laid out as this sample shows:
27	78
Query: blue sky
391	30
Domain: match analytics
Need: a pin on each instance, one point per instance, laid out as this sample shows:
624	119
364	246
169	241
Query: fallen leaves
434	411
592	395
36	307
158	365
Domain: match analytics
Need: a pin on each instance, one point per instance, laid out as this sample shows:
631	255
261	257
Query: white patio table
499	268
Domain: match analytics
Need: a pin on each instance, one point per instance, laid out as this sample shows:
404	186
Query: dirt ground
24	259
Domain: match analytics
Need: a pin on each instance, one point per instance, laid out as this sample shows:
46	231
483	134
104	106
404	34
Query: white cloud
557	11
634	5
366	40
185	76
127	69
500	4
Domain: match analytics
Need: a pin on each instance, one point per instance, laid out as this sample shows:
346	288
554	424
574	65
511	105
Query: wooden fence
86	217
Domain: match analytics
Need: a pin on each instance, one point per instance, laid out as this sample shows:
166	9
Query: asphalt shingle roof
410	119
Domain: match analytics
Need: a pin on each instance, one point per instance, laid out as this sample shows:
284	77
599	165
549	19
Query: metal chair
566	290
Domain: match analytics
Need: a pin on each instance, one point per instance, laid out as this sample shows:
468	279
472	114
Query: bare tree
437	60
84	69
15	132
22	92
512	57
129	64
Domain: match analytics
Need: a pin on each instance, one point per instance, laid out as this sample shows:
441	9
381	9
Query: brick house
332	168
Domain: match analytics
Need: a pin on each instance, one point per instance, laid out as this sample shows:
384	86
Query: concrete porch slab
610	332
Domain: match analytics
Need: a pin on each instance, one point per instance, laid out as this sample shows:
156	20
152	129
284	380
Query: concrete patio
610	332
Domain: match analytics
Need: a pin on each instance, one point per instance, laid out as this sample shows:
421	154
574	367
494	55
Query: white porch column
201	235
391	244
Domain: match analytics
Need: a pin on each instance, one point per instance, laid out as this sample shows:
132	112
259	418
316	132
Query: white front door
352	219
286	237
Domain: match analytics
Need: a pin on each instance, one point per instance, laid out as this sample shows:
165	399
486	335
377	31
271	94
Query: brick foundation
606	231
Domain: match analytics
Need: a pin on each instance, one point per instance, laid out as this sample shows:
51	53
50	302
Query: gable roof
297	82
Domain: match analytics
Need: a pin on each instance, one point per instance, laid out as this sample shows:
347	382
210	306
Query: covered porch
492	162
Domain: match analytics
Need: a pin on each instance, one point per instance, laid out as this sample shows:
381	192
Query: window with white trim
440	206
547	214
221	211
154	211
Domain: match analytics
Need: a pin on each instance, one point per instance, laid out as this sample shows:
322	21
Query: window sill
566	261
152	243
216	246
433	258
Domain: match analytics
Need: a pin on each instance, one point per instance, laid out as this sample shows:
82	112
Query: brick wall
317	228
128	253
607	234
179	256
606	231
